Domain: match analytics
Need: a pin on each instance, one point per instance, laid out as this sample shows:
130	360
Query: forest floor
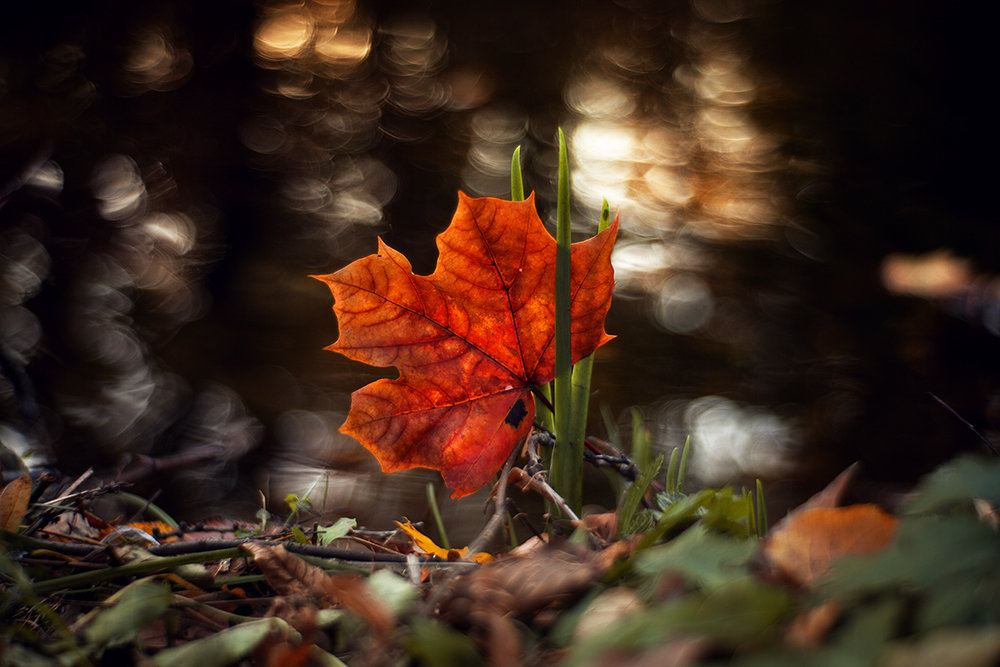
669	578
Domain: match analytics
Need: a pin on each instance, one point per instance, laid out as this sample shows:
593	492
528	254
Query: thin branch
539	485
967	423
500	502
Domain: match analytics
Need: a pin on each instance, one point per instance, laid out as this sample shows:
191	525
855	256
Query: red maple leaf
469	341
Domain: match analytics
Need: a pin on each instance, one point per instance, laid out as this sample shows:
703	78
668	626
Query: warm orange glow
284	34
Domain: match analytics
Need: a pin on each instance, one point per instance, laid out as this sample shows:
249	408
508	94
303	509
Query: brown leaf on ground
807	542
612	606
276	650
14	503
810	628
604	526
289	575
488	600
284	572
351	591
830	496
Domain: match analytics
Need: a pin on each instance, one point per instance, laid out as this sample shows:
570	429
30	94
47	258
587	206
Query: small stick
964	421
538	484
68	493
500	502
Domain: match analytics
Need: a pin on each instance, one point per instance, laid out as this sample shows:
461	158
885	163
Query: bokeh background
809	245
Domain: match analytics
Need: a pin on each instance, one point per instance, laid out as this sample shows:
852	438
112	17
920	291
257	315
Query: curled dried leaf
430	547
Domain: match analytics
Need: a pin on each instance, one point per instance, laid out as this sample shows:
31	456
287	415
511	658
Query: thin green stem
682	470
567	462
761	511
436	513
640	440
672	471
583	369
137	569
516	182
147	507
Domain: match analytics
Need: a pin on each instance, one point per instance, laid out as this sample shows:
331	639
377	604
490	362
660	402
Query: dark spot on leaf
517	414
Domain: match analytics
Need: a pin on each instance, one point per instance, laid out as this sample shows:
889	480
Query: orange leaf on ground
430	547
808	541
469	340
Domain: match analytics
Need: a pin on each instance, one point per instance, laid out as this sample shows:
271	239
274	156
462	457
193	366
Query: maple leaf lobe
469	340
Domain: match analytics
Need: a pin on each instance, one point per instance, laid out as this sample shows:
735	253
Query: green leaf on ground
952	561
435	644
958	482
132	608
340	528
731	614
705	558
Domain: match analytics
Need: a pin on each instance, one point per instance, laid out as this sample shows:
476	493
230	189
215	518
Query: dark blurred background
808	242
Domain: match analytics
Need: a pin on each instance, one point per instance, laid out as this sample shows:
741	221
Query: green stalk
436	513
640	441
672	472
761	511
567	462
138	569
147	507
682	471
583	370
516	182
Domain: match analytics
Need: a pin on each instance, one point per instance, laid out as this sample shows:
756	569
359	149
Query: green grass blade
516	182
761	511
611	426
752	530
633	497
682	470
672	472
567	463
436	513
583	370
640	440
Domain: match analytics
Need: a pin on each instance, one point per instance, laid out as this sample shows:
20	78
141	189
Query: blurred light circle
685	304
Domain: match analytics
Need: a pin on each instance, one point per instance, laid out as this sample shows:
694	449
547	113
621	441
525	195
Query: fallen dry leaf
289	575
351	591
14	502
807	542
430	547
810	628
488	600
284	572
